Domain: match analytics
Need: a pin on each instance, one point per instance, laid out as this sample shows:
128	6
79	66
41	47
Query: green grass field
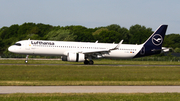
88	74
92	97
34	75
98	61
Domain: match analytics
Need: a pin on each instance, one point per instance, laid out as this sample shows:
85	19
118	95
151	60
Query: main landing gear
90	62
26	61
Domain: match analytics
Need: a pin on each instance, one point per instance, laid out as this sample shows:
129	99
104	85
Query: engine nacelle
74	57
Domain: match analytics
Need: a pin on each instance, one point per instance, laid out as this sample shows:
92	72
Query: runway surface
89	89
91	65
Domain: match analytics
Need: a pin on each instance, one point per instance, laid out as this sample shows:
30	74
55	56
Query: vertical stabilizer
153	45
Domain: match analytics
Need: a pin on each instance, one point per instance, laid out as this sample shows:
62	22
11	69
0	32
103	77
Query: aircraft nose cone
11	49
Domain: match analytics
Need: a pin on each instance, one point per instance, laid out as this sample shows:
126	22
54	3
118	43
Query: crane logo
157	39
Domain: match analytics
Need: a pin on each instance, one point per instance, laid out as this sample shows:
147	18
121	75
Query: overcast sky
92	13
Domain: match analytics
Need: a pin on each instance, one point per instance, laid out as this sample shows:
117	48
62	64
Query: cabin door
28	44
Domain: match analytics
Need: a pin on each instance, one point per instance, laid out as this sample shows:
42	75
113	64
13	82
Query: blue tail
153	45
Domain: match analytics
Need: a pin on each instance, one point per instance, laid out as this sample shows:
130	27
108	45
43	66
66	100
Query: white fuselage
61	48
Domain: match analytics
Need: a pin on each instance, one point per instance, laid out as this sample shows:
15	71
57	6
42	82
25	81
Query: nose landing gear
26	61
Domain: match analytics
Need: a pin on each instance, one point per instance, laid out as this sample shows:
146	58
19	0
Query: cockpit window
17	44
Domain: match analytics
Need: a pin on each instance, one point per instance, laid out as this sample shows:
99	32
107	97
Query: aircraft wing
117	47
100	51
95	51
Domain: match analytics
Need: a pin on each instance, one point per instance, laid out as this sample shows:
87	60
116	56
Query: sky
93	13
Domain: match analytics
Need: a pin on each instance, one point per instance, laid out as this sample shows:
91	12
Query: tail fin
156	39
153	45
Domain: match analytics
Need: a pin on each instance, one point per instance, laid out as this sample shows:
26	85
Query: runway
92	65
89	89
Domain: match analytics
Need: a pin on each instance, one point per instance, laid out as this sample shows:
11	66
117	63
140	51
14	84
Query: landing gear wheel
86	62
91	62
26	61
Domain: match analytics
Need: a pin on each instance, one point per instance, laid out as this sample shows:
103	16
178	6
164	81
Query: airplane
86	51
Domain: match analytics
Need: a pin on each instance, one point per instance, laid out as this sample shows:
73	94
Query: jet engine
74	57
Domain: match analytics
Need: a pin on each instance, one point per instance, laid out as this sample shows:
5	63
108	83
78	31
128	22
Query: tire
91	62
86	62
26	61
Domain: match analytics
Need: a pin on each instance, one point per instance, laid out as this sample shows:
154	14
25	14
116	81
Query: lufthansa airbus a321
86	51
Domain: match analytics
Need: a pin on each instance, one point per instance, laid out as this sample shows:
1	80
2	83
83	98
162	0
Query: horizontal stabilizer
156	50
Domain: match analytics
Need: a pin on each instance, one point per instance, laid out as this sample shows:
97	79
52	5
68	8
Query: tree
99	31
10	32
44	29
114	27
96	34
172	40
25	31
60	35
109	37
125	34
177	50
139	34
82	33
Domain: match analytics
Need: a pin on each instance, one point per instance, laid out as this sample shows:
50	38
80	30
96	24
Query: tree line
136	34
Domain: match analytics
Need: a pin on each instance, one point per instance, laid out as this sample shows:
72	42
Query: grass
98	62
92	97
88	75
